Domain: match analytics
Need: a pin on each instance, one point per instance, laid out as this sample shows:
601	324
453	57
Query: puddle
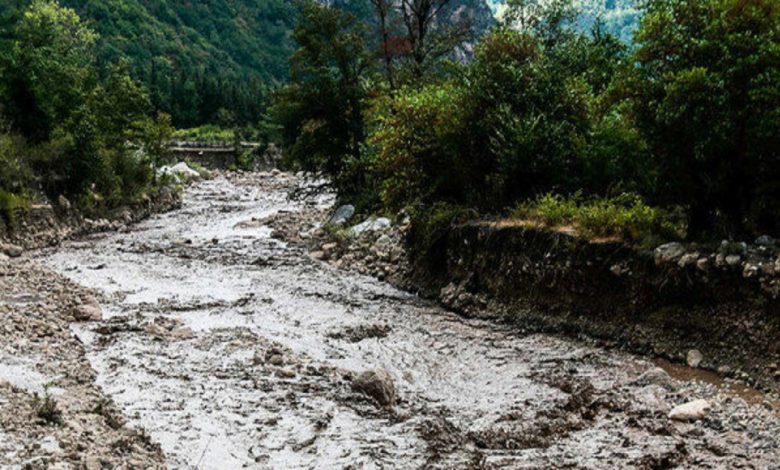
687	374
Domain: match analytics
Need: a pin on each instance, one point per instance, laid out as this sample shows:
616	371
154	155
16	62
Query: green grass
208	133
625	216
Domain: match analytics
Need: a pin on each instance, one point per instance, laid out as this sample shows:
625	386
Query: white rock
181	171
694	358
668	252
690	411
370	225
342	215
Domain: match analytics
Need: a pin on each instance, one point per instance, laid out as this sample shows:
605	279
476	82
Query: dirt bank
648	302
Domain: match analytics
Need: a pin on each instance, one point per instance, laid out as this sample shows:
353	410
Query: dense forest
195	58
673	135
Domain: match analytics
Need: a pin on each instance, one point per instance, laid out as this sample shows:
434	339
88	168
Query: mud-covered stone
377	384
87	312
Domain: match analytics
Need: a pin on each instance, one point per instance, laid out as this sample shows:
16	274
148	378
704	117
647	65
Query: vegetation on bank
69	126
558	122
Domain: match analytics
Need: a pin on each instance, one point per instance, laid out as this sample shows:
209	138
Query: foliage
415	138
625	216
71	122
194	57
321	110
706	94
46	408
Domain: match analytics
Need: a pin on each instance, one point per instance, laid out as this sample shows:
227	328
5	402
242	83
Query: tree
706	94
50	70
321	110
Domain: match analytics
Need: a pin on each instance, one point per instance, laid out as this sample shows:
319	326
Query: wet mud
230	348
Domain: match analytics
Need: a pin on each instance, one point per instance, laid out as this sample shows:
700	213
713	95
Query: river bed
233	349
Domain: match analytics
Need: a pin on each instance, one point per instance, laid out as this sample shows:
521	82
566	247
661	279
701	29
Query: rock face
341	216
691	411
377	384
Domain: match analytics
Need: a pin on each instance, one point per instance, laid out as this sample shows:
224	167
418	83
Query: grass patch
46	408
207	133
626	217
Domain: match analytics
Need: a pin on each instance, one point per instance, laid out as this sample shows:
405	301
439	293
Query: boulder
690	411
654	376
668	253
342	215
181	171
13	251
733	260
87	312
377	384
370	225
694	358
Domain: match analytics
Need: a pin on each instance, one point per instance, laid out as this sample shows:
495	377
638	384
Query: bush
414	135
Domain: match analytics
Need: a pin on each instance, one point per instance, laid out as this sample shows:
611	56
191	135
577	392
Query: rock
63	202
377	384
690	411
87	312
341	216
654	376
765	240
329	248
181	171
318	255
182	333
383	242
668	252
370	225
91	462
694	358
14	251
750	270
733	260
688	259
276	360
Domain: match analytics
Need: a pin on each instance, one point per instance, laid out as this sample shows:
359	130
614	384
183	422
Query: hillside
197	58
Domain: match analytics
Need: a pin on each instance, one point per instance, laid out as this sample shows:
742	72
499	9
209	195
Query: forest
673	136
546	115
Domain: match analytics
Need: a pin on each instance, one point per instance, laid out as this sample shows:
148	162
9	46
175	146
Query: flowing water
233	349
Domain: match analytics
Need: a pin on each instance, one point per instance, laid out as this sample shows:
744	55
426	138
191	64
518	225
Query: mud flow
232	349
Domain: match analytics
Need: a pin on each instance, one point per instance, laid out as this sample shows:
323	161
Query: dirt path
230	348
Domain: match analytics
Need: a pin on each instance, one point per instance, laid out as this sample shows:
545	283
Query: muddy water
232	349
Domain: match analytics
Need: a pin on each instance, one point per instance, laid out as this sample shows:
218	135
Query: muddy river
232	349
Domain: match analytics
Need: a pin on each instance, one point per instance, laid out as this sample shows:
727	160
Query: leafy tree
706	93
321	110
49	70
